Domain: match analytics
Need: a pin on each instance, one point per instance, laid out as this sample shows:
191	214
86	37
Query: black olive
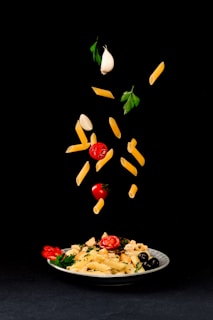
143	256
152	263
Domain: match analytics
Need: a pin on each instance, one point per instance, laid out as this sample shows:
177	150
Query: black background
48	82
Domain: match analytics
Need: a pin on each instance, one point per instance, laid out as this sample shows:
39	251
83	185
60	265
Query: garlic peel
107	61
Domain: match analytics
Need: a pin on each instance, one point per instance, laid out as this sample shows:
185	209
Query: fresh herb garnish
95	52
123	242
131	100
138	267
63	260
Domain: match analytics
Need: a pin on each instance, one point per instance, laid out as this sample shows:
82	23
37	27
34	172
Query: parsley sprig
130	99
63	260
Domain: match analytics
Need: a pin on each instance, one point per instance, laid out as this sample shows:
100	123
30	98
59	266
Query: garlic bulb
107	61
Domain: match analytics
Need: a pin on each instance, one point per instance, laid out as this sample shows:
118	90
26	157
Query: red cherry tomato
50	252
98	150
109	242
100	190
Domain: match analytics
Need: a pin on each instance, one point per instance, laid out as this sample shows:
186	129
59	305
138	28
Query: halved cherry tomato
100	190
98	150
50	252
109	242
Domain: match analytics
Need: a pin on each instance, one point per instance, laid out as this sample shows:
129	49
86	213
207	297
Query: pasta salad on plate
108	256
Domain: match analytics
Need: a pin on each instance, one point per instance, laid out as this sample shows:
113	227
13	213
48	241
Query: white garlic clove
85	122
107	61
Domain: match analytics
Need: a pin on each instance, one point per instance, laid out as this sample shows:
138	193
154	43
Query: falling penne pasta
156	73
103	93
77	147
132	191
83	172
114	126
80	132
100	163
136	154
128	166
99	205
93	138
132	144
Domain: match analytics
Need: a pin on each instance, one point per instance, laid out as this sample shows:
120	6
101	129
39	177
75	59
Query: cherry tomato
98	150
50	252
100	190
109	242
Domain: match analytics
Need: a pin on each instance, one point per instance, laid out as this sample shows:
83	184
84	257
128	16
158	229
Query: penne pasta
93	138
90	258
78	147
103	93
114	126
136	154
156	73
131	144
83	172
80	132
132	191
99	205
128	166
100	163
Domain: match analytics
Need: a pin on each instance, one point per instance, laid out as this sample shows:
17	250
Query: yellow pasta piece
114	126
80	132
99	205
100	163
138	156
115	265
83	172
97	266
78	147
131	144
128	166
156	73
93	138
103	93
132	191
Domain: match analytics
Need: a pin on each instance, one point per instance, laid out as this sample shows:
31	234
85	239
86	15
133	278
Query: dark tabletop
34	290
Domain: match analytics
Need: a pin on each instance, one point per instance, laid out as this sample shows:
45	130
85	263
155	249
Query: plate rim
154	252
